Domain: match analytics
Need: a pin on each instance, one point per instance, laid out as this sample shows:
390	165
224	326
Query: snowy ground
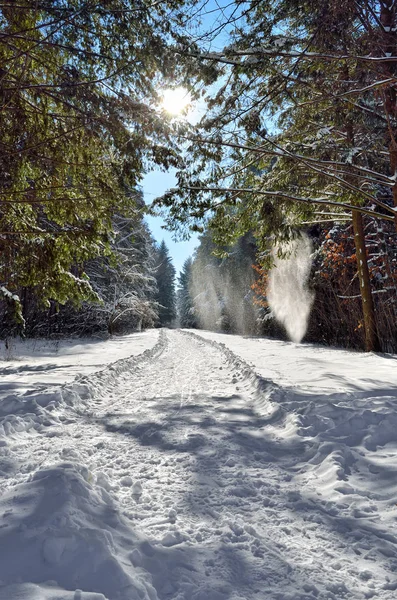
36	364
208	467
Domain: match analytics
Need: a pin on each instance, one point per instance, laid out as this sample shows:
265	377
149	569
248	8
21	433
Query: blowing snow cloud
288	295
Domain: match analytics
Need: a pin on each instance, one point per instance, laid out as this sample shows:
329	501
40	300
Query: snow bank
309	368
28	365
58	528
38	409
335	425
61	527
50	591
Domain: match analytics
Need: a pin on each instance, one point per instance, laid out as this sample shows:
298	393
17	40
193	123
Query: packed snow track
181	474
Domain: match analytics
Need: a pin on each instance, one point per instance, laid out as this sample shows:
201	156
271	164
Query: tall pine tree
164	272
80	83
305	126
185	304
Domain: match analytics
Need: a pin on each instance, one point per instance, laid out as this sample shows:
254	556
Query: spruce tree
123	282
80	84
164	272
303	129
185	304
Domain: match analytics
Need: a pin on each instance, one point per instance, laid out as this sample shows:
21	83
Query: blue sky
154	184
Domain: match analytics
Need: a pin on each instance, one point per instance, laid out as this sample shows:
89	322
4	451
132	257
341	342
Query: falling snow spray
288	294
223	302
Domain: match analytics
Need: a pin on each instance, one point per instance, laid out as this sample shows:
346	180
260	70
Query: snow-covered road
182	474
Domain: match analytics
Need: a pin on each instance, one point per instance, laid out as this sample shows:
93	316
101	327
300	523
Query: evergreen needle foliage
165	278
79	91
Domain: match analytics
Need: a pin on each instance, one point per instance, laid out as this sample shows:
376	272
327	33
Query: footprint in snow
137	489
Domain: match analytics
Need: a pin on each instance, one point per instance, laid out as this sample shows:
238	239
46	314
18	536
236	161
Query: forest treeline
299	134
302	132
228	293
134	289
80	84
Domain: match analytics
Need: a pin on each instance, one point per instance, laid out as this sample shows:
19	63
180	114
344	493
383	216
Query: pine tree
185	304
164	272
124	283
79	84
304	128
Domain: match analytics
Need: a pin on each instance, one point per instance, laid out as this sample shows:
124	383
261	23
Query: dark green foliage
164	272
79	83
124	283
185	305
300	126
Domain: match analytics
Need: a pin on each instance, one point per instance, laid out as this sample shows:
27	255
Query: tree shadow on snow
223	440
235	451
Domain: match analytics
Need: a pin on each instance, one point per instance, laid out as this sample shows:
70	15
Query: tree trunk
371	334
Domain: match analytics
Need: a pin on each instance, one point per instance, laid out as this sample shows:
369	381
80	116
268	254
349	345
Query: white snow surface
39	363
201	466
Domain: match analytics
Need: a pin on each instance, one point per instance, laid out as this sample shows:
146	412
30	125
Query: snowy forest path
181	439
184	451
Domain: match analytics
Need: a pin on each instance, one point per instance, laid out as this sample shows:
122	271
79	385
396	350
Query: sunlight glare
175	100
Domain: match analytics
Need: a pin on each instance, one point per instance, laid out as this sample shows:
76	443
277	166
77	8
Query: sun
175	100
